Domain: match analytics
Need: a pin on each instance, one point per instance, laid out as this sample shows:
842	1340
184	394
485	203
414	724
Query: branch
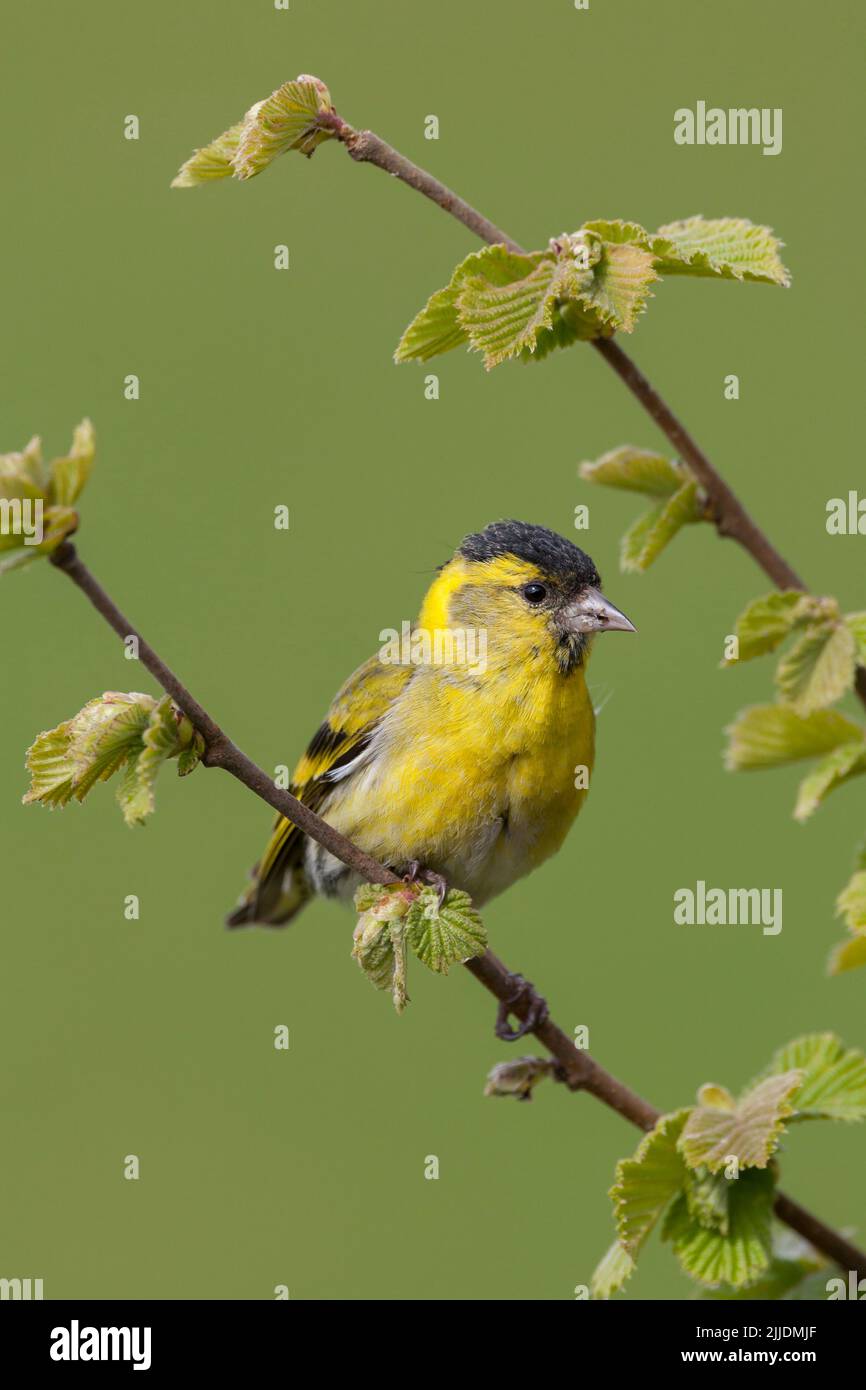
726	510
578	1071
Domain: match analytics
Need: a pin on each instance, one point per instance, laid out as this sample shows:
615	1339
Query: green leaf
502	320
286	120
379	937
771	735
636	470
213	161
847	955
620	286
750	1133
838	767
647	538
851	902
856	623
818	669
645	1183
766	622
117	730
443	936
793	1261
833	1084
69	474
730	247
612	1271
738	1258
707	1200
437	328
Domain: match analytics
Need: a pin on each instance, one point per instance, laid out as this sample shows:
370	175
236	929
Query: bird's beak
592	612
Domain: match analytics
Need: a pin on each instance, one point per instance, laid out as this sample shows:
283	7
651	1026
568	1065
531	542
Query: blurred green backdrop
155	1037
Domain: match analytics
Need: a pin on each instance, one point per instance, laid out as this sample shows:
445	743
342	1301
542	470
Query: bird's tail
278	886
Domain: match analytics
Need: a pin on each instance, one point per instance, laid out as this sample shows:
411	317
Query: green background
260	387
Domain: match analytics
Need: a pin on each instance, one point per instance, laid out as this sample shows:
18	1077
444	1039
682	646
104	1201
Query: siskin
456	749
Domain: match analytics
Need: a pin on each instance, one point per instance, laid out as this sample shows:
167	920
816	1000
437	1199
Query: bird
461	751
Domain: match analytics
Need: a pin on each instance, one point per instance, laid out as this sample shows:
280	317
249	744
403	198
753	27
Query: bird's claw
536	1011
416	874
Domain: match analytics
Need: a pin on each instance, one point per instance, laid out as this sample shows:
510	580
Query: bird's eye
534	593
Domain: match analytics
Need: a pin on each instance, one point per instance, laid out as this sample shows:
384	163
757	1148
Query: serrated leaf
793	1263
838	767
213	161
712	1136
833	1084
636	470
771	735
437	328
645	1183
766	622
847	955
851	902
647	538
116	730
611	1272
819	668
51	771
286	120
856	623
136	794
501	321
707	1199
443	936
738	1258
730	247
69	474
620	286
104	734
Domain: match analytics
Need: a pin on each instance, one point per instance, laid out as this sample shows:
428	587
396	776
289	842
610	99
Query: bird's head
532	592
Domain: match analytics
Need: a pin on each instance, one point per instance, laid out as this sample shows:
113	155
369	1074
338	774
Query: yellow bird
466	743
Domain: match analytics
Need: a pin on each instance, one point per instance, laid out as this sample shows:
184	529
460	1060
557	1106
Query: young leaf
620	285
645	1183
502	320
818	669
611	1272
838	767
738	1258
437	328
856	623
847	955
444	935
833	1084
213	161
117	730
750	1133
770	735
730	247
70	474
636	470
766	622
647	538
286	120
793	1261
851	902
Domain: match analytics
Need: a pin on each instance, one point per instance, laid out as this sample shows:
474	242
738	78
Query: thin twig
726	510
579	1071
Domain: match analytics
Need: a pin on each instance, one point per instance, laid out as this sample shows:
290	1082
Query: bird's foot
416	874
536	1011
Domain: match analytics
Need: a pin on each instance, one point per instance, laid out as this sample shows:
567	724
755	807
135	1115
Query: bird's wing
336	751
